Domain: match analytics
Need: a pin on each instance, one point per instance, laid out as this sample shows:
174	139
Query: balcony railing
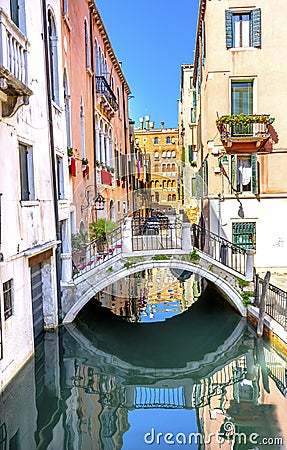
245	127
108	98
13	65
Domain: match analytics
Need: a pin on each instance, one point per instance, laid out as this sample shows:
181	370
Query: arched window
119	102
173	184
164	168
168	154
168	140
53	57
67	103
164	184
173	169
169	198
82	122
173	197
156	155
155	141
98	59
87	45
168	167
156	168
164	154
173	154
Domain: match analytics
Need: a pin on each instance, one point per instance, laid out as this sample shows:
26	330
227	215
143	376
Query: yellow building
162	146
242	134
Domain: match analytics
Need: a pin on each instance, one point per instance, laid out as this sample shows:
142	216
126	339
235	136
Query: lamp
98	201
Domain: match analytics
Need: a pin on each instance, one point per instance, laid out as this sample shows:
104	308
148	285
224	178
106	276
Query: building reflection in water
104	382
152	294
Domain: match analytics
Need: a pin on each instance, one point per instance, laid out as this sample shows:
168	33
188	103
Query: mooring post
249	270
127	236
262	304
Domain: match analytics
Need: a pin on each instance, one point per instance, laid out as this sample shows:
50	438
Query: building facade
242	137
161	146
187	127
29	185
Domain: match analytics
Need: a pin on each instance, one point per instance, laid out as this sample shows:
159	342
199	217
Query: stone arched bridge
179	246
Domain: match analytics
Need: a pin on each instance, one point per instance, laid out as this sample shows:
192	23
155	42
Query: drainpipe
53	159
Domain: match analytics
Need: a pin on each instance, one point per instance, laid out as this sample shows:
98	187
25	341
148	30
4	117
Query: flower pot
84	166
118	182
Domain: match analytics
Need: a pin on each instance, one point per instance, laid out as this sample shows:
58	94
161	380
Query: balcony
107	98
14	91
246	132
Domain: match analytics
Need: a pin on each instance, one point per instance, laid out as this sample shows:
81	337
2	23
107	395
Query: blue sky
152	38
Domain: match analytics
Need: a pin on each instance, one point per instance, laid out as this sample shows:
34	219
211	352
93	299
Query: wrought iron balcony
108	99
14	90
244	128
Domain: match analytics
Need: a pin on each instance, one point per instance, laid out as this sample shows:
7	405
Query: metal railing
220	249
96	252
156	235
252	130
276	302
150	397
103	87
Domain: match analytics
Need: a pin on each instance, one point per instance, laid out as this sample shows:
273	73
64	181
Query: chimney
141	119
162	125
147	122
151	125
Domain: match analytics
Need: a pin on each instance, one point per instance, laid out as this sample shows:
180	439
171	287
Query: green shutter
233	174
254	173
193	187
205	177
228	28
256	27
198	182
190	153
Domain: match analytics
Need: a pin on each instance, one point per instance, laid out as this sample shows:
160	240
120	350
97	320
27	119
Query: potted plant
118	182
85	162
70	155
99	231
98	164
193	164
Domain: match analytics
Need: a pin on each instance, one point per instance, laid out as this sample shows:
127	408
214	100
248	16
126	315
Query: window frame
8	298
248	236
255	29
26	166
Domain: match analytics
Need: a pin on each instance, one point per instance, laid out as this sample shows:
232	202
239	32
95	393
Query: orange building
96	112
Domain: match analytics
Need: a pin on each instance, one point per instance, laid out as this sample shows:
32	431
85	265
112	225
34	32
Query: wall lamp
98	202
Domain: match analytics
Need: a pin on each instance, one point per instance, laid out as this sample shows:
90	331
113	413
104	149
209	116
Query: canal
157	360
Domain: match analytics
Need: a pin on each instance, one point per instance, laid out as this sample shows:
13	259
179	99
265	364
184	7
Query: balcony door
241	103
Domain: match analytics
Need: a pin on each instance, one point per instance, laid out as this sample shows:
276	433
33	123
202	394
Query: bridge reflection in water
202	371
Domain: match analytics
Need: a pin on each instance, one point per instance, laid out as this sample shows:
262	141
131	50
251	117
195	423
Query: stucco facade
162	147
236	71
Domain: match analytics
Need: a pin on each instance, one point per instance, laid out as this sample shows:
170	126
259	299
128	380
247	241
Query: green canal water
164	371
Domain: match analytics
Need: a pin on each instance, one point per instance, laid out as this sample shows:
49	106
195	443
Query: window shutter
190	153
254	173
228	28
233	174
256	27
198	182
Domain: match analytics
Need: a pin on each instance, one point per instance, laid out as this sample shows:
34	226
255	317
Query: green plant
160	257
110	269
194	256
210	268
98	163
244	119
70	151
193	164
112	170
246	298
242	283
100	228
85	161
79	239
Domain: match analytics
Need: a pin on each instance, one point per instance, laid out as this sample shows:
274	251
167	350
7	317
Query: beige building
162	146
187	127
242	134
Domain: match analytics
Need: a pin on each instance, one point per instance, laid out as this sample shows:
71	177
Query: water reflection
152	295
107	384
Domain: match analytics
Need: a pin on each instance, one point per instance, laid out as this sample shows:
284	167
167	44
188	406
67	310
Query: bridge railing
276	302
97	251
156	235
220	249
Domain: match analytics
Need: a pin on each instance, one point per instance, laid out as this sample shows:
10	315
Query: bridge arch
95	285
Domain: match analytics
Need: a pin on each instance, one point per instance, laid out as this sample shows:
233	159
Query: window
87	46
241	103
173	154
156	155
243	29
244	173
156	196
156	168
14	11
26	173
119	206
17	14
168	140
60	178
244	234
53	58
164	154
65	7
168	154
155	141
193	108
8	298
